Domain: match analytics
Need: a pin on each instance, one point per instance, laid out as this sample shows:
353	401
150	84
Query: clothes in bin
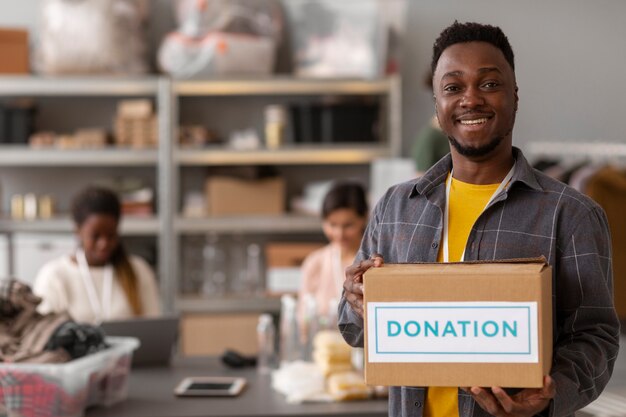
67	389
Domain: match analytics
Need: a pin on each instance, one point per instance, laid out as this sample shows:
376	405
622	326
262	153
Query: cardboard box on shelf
14	54
228	196
459	324
284	261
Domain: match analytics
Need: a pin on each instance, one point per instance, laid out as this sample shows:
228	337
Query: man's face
475	97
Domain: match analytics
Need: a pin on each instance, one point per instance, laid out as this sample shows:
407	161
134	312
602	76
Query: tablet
210	386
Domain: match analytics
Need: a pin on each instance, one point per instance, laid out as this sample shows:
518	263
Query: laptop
157	337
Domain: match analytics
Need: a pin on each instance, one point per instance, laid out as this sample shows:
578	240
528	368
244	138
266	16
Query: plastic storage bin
67	389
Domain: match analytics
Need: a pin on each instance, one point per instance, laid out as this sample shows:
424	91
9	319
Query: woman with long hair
98	282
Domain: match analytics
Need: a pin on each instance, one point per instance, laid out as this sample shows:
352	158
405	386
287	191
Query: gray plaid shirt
534	216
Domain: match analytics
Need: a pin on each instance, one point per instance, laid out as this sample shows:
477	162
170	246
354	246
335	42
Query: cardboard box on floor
459	324
228	196
14	53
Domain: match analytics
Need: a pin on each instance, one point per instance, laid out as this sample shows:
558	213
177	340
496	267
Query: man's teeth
474	122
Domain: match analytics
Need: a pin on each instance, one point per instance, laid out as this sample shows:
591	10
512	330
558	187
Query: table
151	395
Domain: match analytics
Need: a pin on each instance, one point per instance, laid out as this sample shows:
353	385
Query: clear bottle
254	269
289	337
266	332
214	259
311	321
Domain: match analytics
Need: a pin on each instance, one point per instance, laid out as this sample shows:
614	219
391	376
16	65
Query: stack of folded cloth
333	355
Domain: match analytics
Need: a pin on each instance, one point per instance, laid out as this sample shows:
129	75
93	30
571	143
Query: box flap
505	267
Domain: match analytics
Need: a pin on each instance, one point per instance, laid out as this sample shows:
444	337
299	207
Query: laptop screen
157	337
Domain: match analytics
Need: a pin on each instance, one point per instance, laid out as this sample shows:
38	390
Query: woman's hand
353	284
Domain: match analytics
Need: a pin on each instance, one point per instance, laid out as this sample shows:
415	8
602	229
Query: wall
569	56
570	59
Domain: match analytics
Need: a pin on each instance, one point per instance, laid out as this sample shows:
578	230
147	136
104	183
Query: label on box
496	332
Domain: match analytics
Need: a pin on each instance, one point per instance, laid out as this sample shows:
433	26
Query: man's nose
472	97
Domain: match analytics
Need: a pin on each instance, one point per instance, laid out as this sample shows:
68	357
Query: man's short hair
472	32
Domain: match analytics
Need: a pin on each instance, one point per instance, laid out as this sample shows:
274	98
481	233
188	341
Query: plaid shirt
534	216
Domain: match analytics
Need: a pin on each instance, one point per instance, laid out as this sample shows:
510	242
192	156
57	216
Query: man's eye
451	88
491	84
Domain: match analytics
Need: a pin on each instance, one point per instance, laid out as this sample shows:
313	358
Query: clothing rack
604	151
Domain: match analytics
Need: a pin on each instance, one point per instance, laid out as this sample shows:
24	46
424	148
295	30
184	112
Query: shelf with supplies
130	226
21	156
228	304
99	86
283	86
287	155
172	169
286	223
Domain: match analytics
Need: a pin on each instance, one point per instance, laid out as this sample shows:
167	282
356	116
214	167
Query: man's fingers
378	260
549	387
503	398
486	400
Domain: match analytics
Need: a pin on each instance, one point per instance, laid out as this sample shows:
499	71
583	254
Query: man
484	202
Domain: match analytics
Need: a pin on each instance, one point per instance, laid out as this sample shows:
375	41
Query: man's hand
353	284
527	402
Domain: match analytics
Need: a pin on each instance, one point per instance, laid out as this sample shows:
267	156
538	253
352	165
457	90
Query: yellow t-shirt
467	202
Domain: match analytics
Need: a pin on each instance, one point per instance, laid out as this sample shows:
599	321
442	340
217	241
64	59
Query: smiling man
484	201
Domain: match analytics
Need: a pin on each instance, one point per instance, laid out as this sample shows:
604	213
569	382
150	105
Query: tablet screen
209	386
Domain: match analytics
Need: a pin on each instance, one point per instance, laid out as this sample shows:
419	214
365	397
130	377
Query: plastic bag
218	37
92	36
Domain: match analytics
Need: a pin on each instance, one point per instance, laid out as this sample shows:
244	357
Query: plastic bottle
214	267
265	335
312	326
289	337
254	269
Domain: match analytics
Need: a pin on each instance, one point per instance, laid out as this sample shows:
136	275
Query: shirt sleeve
149	292
586	325
350	323
48	285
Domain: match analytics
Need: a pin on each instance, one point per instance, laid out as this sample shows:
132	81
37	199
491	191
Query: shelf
16	155
78	86
228	304
301	155
606	150
281	86
131	226
288	223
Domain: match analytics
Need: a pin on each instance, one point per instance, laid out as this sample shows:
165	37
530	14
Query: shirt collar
437	174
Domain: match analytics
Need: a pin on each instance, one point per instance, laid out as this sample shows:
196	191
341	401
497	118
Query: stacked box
136	124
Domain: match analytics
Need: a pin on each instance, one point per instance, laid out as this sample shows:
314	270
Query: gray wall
570	59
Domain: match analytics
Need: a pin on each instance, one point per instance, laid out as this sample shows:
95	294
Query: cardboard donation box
229	196
459	324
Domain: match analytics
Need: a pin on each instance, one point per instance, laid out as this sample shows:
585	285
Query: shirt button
418	404
435	245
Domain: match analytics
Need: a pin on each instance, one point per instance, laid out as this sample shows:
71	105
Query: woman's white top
62	288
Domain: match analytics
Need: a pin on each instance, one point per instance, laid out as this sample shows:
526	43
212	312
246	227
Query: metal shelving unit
168	160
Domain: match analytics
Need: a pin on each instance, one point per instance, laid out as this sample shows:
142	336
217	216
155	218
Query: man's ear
516	97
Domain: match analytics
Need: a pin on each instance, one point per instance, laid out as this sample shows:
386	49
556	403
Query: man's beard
471	151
